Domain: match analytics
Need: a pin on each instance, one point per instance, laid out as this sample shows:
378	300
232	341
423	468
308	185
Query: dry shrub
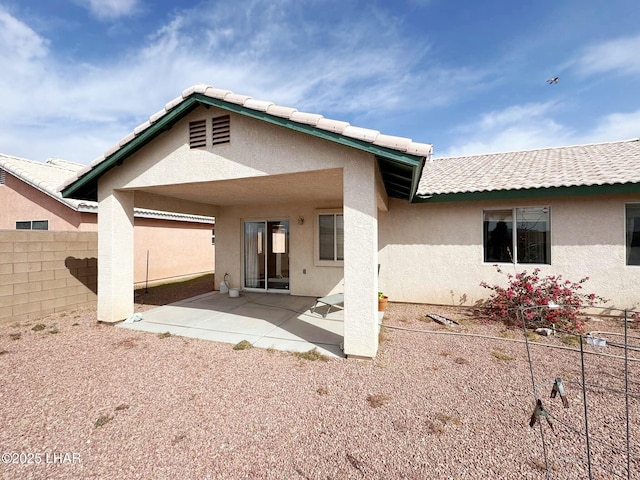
378	400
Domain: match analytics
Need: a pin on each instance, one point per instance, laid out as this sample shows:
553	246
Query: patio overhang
322	186
400	170
266	174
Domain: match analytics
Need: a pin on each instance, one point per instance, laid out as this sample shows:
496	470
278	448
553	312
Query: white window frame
514	234
31	222
316	238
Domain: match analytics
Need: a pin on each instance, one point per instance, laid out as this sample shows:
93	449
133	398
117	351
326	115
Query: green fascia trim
170	118
415	181
163	124
406	158
616	189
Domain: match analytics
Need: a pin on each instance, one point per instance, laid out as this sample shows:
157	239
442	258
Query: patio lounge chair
330	301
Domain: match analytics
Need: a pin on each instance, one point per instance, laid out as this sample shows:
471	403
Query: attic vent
198	134
3	177
221	128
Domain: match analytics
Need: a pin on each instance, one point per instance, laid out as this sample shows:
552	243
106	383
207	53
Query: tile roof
580	165
48	176
344	129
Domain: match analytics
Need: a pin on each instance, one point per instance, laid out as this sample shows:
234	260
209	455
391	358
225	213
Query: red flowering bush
529	290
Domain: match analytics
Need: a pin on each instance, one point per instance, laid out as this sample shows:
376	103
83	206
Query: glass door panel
278	255
266	255
254	255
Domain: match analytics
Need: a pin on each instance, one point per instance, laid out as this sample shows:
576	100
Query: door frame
266	288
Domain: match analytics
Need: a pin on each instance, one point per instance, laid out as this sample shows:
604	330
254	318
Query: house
31	201
570	211
306	205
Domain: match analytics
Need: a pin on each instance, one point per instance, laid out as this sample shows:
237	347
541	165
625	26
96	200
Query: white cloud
273	51
515	114
530	126
616	56
518	127
22	53
18	41
110	9
617	126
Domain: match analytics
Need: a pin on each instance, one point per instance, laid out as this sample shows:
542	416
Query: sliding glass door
266	255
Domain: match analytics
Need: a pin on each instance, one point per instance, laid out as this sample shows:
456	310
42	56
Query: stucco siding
305	277
433	253
21	202
175	249
256	148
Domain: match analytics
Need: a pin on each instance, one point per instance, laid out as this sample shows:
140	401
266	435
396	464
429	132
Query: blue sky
467	76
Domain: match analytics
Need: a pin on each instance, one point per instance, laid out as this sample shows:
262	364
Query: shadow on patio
282	322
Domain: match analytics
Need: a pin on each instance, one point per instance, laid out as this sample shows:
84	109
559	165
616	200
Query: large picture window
528	242
632	215
330	237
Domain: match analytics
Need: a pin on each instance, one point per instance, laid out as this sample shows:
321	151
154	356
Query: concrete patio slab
281	322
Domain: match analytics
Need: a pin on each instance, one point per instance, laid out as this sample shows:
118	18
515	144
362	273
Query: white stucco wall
433	253
257	148
317	281
302	173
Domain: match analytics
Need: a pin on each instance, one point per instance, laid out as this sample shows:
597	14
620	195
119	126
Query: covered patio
281	322
295	197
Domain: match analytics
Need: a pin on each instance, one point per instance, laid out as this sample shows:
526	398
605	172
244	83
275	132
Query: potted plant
382	302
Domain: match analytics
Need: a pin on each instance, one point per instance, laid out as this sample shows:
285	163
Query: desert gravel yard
96	402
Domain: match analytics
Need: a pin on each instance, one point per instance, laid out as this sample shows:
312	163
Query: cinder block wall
46	272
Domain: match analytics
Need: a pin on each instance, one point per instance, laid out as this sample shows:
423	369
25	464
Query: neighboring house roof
400	159
612	167
47	177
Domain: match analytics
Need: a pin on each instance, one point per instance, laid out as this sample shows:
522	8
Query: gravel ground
123	404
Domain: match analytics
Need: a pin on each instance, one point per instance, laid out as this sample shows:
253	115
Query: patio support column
115	255
360	260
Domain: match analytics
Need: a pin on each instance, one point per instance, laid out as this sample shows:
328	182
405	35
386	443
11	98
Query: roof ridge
354	135
10	158
402	144
62	163
586	165
13	157
16	167
561	147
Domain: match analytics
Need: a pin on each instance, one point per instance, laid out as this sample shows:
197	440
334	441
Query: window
632	214
529	243
221	130
3	177
213	236
198	134
330	237
33	225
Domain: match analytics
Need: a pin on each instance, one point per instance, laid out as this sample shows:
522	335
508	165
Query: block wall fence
46	272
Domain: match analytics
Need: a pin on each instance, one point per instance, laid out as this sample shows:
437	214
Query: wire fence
588	410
